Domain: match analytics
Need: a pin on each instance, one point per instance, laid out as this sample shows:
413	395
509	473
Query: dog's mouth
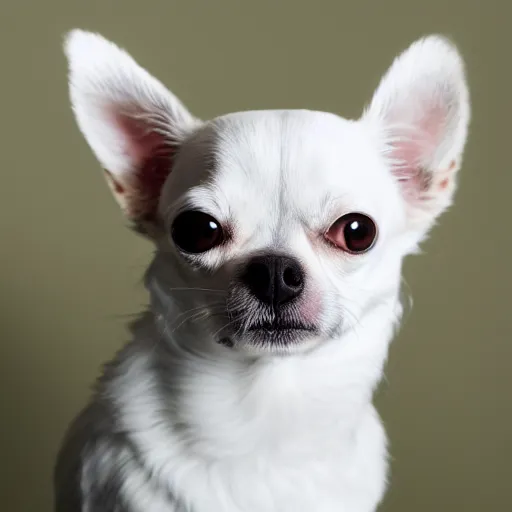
280	327
271	334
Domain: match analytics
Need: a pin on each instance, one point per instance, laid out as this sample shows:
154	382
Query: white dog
247	385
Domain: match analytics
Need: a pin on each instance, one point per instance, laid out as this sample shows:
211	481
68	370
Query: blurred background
70	272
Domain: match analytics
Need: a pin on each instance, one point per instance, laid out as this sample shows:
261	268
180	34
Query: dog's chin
269	339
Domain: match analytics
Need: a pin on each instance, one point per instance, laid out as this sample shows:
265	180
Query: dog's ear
420	112
132	122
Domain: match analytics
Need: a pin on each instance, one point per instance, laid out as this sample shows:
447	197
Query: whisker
197	308
191	289
202	311
222	328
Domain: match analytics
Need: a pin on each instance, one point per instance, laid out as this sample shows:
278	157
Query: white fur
249	428
100	75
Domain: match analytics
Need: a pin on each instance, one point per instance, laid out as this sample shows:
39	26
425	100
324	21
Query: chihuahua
274	288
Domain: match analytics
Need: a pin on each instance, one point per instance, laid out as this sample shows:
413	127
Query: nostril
290	281
292	277
260	273
259	278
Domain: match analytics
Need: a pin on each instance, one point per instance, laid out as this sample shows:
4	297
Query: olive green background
70	272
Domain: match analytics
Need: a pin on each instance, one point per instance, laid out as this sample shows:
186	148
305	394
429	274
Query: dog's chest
335	480
324	486
290	450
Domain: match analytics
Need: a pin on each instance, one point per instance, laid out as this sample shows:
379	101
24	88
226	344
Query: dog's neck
229	404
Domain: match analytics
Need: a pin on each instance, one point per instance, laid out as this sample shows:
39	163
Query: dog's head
284	227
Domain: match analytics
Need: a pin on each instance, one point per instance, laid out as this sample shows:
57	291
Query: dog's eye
196	232
354	233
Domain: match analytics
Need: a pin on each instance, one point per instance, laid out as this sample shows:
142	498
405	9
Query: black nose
274	279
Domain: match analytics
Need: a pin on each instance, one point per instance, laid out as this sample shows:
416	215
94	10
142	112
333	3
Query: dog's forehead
296	160
267	167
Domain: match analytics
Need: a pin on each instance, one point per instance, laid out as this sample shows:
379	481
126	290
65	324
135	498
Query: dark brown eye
196	232
354	233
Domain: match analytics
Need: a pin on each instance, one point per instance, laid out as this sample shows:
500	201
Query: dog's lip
280	327
274	332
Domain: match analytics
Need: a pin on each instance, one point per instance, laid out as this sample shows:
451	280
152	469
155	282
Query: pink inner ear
151	155
414	148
